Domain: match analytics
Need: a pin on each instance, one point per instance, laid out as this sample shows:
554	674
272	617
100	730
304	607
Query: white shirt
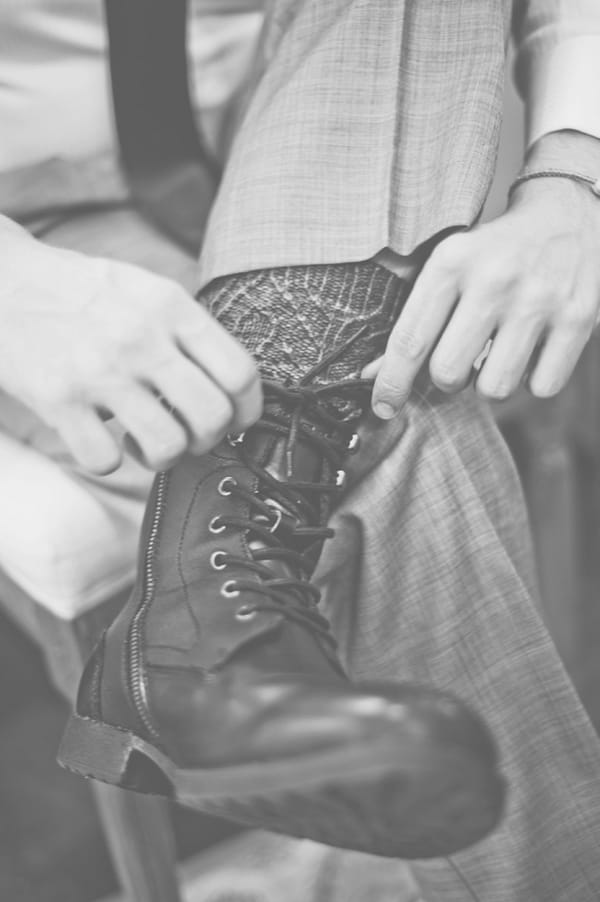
55	97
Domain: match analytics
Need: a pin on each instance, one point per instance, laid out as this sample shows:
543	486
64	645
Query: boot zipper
136	679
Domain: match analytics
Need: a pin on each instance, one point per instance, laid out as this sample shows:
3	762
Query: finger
414	335
222	357
88	440
509	357
206	411
556	362
159	438
372	368
462	343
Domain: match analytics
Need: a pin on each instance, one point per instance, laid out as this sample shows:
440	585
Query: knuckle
445	375
170	447
215	420
387	388
409	344
161	459
206	439
244	377
57	391
494	390
194	320
246	416
103	464
537	293
449	253
494	278
98	368
577	322
163	448
203	444
163	295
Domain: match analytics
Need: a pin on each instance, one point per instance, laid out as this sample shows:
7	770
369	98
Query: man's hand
529	280
82	338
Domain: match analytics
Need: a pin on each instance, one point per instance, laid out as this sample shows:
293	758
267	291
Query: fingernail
383	410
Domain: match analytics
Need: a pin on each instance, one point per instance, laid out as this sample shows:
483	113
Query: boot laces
286	520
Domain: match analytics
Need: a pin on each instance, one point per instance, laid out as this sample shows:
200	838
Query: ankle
292	318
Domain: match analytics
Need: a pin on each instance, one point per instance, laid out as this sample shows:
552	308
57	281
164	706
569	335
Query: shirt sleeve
557	69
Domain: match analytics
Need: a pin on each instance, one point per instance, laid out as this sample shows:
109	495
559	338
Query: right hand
82	338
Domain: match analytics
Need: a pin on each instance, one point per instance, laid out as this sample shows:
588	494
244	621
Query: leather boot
219	683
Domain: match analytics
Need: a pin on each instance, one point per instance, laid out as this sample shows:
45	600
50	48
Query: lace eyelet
221	487
340	479
214	528
213	560
354	443
245	613
228	589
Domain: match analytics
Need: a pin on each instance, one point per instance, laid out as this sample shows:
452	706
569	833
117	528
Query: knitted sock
290	318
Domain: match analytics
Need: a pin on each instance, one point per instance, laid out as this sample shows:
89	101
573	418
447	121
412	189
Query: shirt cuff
560	84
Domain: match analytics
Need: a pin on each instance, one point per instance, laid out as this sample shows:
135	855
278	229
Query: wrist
567	150
564	165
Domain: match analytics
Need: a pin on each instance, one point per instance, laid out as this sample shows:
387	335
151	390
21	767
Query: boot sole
364	798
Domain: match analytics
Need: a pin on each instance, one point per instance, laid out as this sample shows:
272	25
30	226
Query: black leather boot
219	683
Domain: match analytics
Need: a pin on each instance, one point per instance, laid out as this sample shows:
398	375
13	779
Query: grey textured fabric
292	317
429	578
369	125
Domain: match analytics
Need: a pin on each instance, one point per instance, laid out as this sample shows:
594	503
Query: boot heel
97	750
94	749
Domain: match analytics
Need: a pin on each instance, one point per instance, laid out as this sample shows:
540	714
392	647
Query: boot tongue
299	462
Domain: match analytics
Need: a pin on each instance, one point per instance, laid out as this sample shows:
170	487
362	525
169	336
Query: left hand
530	280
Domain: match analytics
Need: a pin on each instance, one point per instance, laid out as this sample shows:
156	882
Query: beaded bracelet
593	183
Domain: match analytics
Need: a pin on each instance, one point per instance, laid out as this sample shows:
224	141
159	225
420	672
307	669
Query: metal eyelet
245	613
214	528
228	589
340	479
213	560
354	442
236	439
221	487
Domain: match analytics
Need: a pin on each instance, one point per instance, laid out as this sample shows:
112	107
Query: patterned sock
290	318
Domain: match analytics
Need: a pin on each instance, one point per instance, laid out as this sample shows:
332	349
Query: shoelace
291	513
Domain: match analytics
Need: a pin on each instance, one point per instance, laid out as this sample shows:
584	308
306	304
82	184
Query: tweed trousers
366	125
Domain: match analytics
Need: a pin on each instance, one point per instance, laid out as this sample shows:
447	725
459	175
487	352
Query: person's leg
435	534
420	777
432	547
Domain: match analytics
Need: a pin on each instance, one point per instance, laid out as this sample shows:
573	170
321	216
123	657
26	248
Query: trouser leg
430	579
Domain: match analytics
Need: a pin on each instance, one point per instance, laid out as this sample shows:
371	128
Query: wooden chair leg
139	833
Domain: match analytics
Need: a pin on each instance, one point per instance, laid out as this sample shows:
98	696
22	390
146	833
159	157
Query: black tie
171	175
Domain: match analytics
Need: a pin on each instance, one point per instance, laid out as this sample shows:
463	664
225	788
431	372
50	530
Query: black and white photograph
299	451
